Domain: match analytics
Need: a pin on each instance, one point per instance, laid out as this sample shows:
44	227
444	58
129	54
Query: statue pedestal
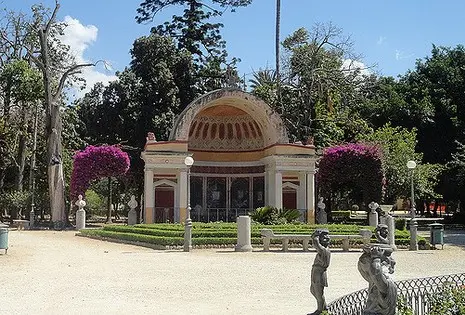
373	218
132	217
80	219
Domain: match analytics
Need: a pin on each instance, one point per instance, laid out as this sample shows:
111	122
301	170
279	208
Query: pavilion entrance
225	197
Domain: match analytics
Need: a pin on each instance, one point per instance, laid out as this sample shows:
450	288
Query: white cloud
402	55
353	65
79	37
381	40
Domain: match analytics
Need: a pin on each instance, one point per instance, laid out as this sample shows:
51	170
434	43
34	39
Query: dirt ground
47	272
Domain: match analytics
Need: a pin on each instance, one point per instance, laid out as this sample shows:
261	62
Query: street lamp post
411	165
188	161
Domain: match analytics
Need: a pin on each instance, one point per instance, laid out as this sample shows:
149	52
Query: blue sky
391	34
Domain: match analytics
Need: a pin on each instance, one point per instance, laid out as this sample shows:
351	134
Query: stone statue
151	137
373	215
321	216
132	214
80	213
375	265
382	234
319	278
80	203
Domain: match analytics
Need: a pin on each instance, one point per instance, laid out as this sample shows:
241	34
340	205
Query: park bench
21	224
268	235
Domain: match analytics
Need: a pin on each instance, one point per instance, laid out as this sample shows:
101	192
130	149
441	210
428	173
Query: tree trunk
53	129
21	155
109	201
32	166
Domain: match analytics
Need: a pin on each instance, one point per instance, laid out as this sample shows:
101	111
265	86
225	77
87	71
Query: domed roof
229	120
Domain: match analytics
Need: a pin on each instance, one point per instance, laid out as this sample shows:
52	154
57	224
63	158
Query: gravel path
47	272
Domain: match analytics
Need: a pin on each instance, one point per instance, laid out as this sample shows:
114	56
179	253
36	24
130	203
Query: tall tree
438	82
277	49
194	31
398	146
22	88
56	66
319	86
146	98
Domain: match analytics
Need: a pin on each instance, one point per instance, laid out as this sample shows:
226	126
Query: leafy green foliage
398	147
402	308
319	88
271	215
94	203
400	224
195	32
14	202
449	301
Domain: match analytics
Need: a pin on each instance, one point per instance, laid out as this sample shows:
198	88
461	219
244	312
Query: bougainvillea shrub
355	166
96	162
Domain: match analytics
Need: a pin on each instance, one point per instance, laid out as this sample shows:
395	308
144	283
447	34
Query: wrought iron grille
414	292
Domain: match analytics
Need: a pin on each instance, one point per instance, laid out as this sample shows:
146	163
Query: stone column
302	195
267	186
413	234
310	198
392	230
182	184
149	193
278	190
244	243
270	187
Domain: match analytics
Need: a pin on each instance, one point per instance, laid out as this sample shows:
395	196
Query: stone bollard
243	234
80	214
392	231
413	224
132	214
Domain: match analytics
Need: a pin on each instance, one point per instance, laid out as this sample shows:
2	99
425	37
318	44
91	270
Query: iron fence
415	294
198	214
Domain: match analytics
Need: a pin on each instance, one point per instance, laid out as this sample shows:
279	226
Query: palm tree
263	77
277	43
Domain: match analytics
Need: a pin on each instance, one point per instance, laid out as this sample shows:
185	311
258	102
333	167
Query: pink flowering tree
96	162
354	170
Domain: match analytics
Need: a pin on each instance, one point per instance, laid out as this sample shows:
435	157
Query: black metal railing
414	293
166	214
217	214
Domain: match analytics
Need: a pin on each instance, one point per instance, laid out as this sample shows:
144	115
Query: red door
290	199
164	204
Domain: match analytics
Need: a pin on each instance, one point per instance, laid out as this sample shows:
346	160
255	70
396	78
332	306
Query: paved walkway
47	272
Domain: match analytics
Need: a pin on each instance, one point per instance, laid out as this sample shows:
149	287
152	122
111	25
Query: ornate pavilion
242	160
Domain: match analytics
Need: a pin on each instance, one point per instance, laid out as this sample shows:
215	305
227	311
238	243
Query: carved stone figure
80	203
382	234
321	215
375	265
319	278
132	214
80	214
151	137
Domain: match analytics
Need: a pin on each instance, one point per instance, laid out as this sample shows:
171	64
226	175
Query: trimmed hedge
222	233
